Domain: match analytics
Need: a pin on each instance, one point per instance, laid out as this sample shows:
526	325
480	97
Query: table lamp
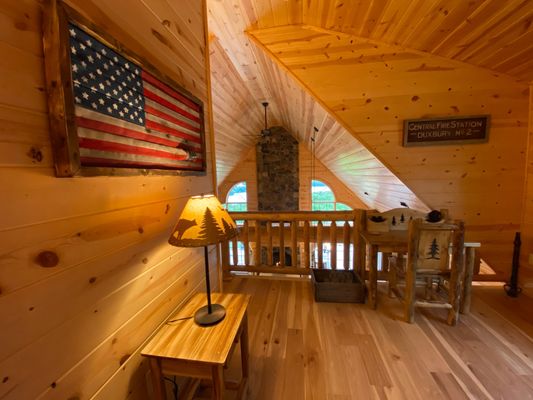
203	222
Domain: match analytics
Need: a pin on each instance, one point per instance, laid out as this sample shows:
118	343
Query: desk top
391	239
395	240
184	340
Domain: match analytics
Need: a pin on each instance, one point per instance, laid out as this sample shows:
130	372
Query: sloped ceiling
248	69
484	33
357	68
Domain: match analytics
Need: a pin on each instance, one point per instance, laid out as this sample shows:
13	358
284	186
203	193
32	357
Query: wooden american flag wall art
111	114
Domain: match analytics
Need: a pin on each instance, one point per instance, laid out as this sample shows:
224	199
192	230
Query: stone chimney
277	171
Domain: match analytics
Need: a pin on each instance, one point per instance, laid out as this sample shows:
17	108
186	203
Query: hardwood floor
300	349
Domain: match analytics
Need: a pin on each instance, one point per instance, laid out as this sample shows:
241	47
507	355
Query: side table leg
244	347
157	380
218	381
244	358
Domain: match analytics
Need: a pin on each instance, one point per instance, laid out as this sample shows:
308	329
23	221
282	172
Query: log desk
396	242
183	348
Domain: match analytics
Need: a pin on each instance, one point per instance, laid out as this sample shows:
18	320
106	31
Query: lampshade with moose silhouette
202	222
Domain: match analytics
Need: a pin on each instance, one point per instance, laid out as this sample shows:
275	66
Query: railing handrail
276	216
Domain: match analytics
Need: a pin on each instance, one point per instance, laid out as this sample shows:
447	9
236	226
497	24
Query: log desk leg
371	266
186	349
470	259
384	242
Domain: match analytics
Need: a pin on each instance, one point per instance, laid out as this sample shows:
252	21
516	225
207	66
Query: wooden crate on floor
337	286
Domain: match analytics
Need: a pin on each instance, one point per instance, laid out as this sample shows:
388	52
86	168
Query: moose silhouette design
183	225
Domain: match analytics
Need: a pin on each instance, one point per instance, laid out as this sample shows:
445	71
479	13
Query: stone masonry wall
277	171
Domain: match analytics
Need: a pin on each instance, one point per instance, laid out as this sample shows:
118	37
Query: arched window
323	198
236	200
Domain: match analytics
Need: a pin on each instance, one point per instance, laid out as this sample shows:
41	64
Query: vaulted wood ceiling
244	74
356	68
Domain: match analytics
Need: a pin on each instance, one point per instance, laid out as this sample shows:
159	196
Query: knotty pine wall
246	171
526	275
74	330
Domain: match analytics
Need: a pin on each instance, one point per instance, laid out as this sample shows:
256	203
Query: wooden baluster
346	244
319	244
306	259
333	244
294	243
270	262
359	247
246	242
235	253
281	244
257	255
225	254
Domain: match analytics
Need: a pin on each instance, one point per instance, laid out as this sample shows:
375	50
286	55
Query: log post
346	244
294	243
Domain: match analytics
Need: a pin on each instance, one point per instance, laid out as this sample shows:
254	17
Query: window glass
320	192
323	198
236	199
342	207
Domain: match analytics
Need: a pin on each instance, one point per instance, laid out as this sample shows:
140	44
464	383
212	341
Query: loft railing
293	242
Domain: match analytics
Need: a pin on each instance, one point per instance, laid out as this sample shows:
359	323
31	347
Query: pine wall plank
527	217
74	327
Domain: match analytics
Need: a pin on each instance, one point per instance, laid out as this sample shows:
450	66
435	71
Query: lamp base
204	318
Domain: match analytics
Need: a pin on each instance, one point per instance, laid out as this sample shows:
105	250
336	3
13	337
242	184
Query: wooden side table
183	348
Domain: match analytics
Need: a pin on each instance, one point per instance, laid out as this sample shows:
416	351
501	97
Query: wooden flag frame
61	103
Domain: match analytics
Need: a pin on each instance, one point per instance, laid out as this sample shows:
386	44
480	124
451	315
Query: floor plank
303	350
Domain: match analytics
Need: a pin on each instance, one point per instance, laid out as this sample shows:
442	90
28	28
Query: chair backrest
435	246
396	219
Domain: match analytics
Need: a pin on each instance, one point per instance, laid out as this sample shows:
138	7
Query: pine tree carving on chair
435	253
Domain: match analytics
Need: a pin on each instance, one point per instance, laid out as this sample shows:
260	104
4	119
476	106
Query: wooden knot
36	154
124	358
47	259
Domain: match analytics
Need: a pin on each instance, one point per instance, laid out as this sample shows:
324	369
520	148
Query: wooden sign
112	113
448	130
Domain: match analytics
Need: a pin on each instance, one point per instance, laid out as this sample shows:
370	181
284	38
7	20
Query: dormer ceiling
262	49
